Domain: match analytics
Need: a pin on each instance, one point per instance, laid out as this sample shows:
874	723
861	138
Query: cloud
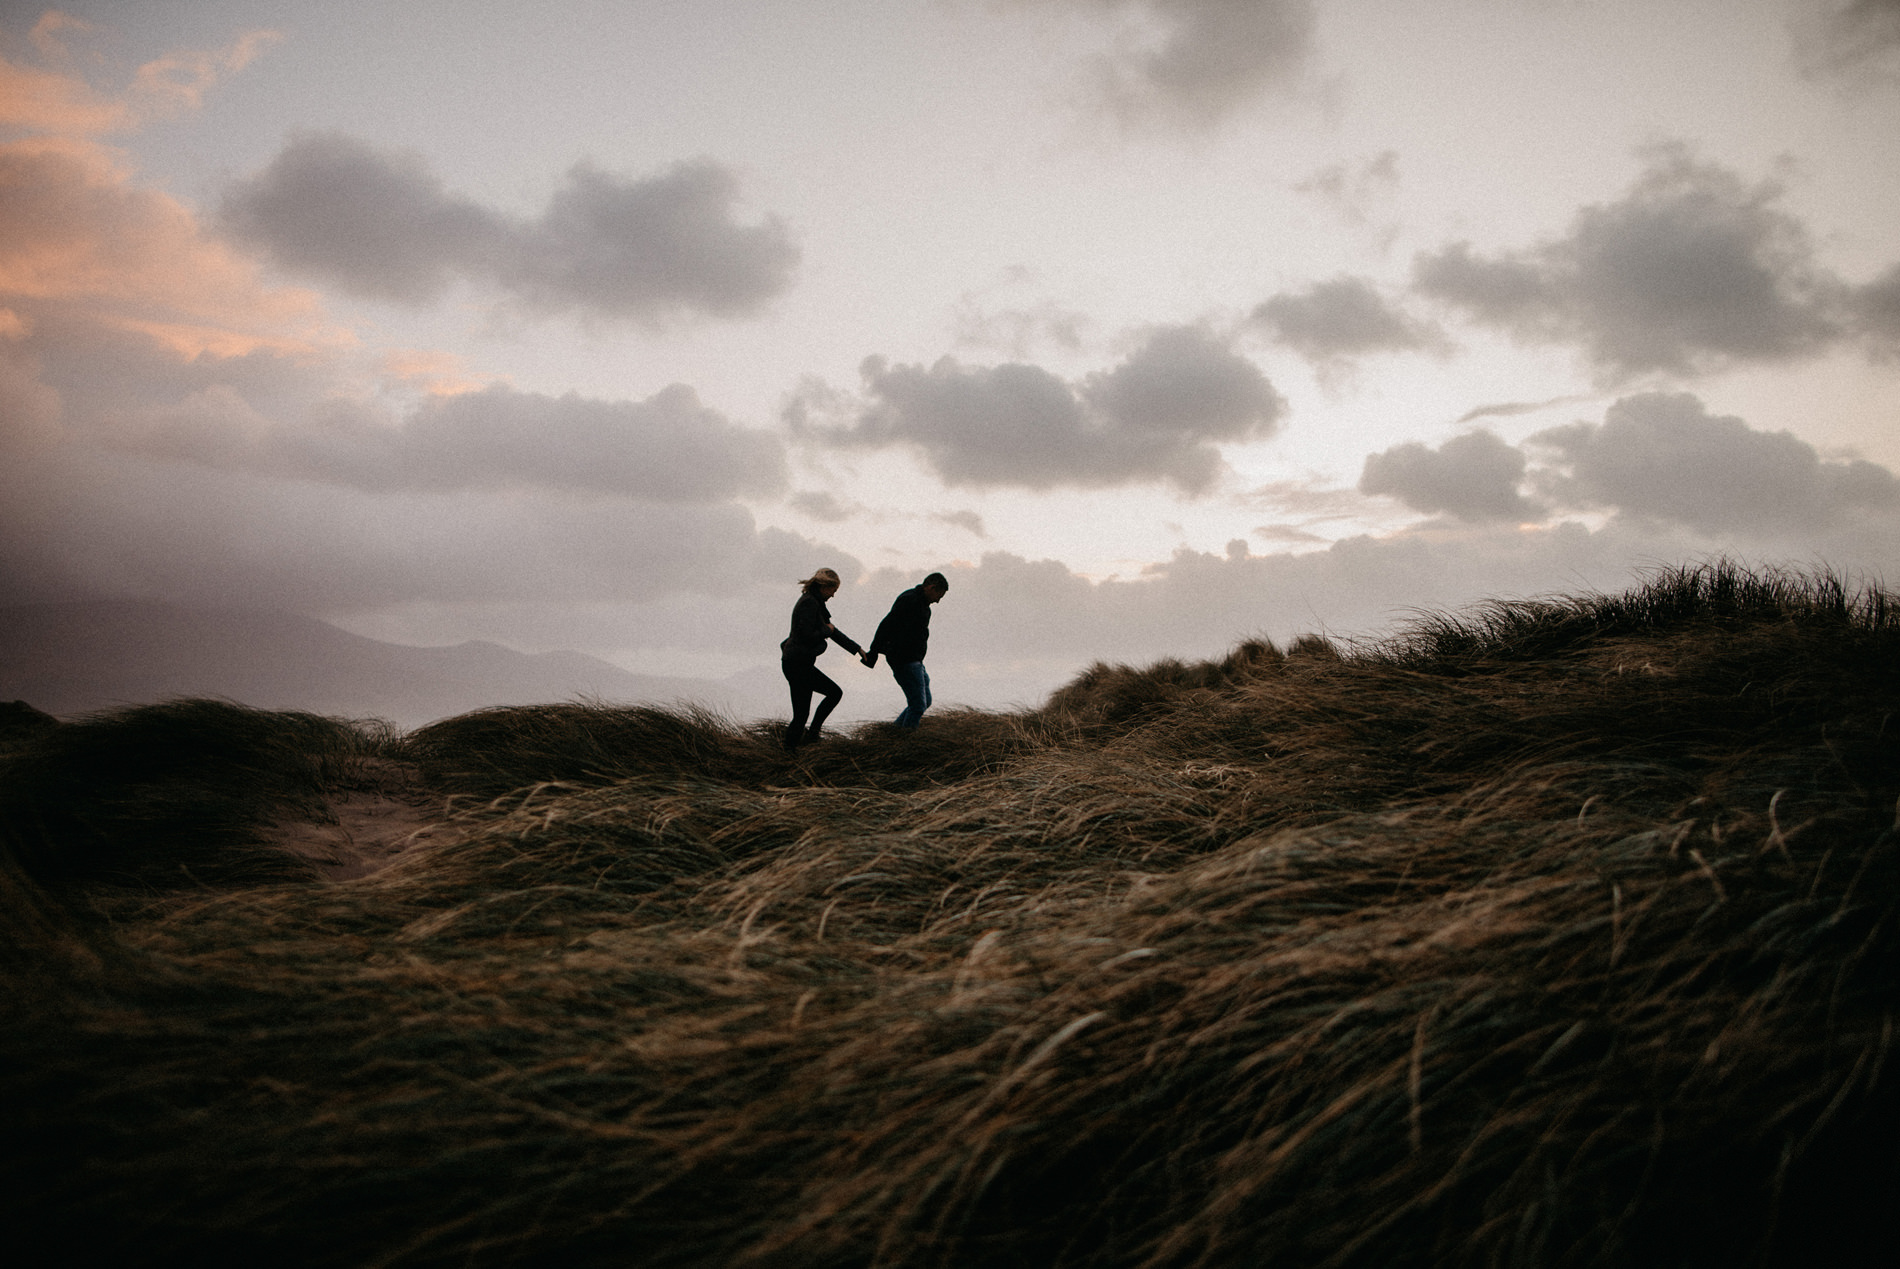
1663	456
371	222
1183	382
1196	61
1012	424
1510	409
1344	318
75	230
1156	417
668	448
1691	271
1474	477
51	99
1877	310
1657	458
378	223
649	247
1834	37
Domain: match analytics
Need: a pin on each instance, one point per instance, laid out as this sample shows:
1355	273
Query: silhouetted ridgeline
78	657
1553	933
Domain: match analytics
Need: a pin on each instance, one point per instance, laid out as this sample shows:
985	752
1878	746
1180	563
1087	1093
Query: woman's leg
829	696
798	679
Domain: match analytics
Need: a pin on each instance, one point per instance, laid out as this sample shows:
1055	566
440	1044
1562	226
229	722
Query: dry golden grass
1550	934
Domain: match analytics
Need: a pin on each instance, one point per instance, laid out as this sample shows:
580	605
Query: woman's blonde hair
821	577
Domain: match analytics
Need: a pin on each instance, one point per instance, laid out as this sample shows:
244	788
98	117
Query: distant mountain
74	657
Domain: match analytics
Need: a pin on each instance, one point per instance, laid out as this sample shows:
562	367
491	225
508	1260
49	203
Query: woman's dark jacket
806	642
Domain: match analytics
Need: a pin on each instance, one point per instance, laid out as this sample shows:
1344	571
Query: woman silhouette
799	653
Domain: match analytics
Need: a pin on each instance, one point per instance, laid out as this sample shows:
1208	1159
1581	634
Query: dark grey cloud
1663	456
1656	457
1522	294
1692	270
1509	409
1876	307
1156	417
1183	382
667	448
644	248
1474	477
1844	36
378	223
1206	57
1344	318
373	222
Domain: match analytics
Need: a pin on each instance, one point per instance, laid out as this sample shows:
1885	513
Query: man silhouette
902	637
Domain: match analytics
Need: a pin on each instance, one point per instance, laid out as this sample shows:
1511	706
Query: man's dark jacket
904	633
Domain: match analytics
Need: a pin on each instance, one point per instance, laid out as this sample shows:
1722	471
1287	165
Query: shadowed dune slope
1548	933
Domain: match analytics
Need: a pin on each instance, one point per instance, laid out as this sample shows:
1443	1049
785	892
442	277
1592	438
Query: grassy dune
1548	933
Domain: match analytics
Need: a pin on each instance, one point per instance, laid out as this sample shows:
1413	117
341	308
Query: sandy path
370	823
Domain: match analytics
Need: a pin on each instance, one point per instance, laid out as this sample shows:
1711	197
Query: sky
1155	325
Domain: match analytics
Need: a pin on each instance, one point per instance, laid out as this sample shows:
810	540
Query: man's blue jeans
910	676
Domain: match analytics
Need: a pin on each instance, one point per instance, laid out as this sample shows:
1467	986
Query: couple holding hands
901	638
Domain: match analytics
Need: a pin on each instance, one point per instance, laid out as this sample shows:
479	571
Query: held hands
869	659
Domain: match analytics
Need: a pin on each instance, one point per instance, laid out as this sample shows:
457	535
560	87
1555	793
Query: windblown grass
178	794
1553	933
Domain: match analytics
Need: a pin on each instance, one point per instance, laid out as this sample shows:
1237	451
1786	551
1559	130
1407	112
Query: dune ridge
1556	932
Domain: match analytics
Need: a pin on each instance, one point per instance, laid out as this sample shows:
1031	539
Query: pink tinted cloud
53	98
76	230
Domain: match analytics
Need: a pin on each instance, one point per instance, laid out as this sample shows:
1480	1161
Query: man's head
935	587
